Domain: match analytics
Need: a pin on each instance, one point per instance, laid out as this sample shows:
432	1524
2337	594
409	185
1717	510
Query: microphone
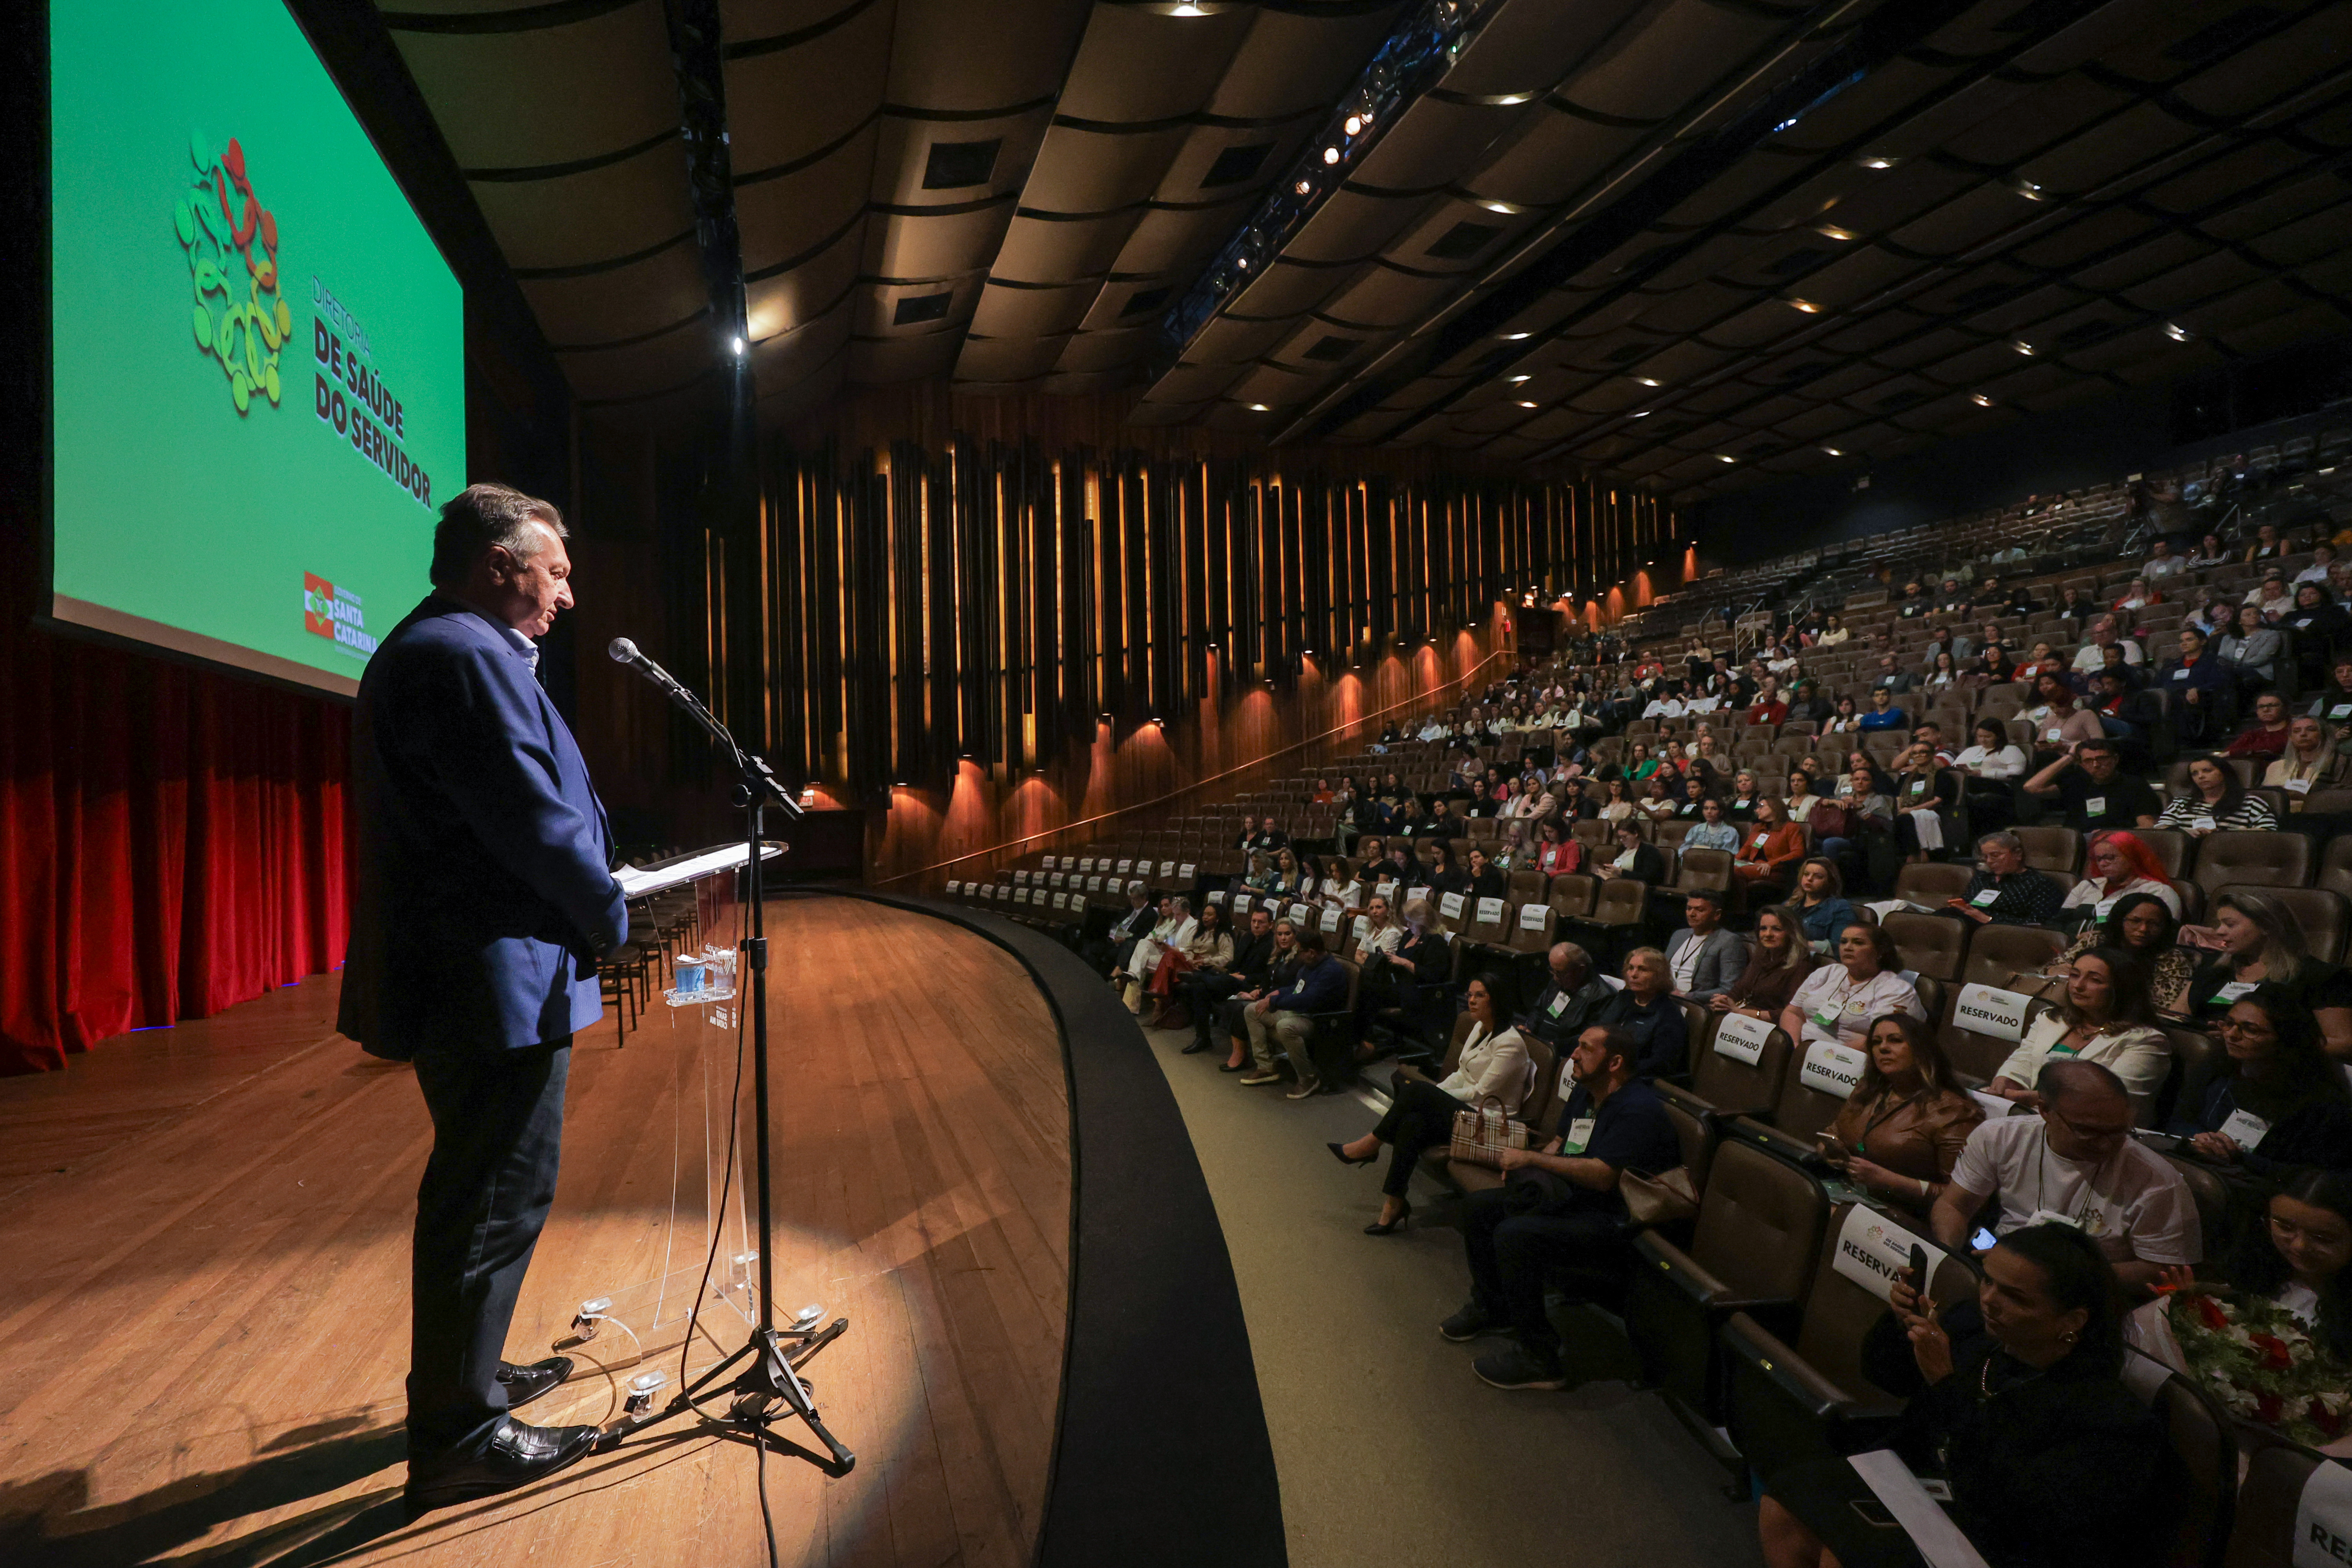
625	652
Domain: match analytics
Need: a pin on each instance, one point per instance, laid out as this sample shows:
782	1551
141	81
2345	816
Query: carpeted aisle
1388	1449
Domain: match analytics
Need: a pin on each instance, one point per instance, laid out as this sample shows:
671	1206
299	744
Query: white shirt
2159	566
2091	656
2140	1056
1849	1005
1491	1067
1662	708
2315	572
1347	898
2005	763
2132	1204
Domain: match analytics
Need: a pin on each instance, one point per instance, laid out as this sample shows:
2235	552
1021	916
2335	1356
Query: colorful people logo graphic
232	245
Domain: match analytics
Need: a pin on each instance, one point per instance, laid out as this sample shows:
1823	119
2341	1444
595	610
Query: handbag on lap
1481	1133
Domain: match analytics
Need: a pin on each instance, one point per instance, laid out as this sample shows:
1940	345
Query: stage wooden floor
203	1259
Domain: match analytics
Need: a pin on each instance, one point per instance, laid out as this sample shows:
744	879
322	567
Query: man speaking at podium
482	900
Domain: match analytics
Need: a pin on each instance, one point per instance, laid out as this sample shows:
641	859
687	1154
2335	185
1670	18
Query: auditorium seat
1728	1087
1751	1250
2253	859
1801	1110
2319	914
1790	1402
2335	865
1573	895
2262	1532
1619	907
1532	927
2211	1191
1929	945
2203	1500
1932	883
2052	848
1704	869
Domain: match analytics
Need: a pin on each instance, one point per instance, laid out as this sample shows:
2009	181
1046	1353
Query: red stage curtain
172	842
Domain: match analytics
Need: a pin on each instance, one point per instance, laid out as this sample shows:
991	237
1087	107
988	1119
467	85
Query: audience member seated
1746	792
2074	1161
1445	872
1645	1009
1281	969
1770	849
1703	958
1656	803
2289	1277
1882	713
2254	940
2282	1103
2004	889
2320	625
1571	998
1640	862
2311	761
1925	802
1204	992
1835	1003
1119	944
1557	855
1902	1130
2264	738
1403	983
2216	801
2203	691
2249	645
1481	877
1491	1075
2105	1016
1820	903
1777	961
2145	926
2119	863
2013	1401
2272	596
2058	723
1802	796
2094	792
1711	831
2103	635
1559	1205
2162	563
1280	1019
1208	946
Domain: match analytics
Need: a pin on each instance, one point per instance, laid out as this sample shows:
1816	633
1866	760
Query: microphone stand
776	1354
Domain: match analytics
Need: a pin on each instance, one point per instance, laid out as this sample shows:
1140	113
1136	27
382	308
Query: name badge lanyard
2090	1183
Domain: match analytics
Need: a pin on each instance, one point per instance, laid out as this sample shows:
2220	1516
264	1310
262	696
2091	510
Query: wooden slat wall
907	610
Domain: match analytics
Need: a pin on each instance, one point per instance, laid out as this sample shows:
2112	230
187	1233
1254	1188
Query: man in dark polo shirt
1571	997
1613	1122
2090	785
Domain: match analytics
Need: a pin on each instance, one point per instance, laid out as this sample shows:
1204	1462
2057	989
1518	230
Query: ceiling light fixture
1639	414
1331	154
1259	408
1980	400
2022	346
2029	190
1506	208
737	344
1302	187
1834	452
1353	125
1518	380
1724	458
2176	333
1878	162
1831	231
1645	381
1515	337
1524	403
1807	306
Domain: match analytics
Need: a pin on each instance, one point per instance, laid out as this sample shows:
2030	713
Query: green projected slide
259	384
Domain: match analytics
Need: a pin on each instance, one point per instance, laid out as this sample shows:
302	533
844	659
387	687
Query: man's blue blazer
483	890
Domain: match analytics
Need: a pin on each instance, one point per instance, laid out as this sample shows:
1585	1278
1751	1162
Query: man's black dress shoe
525	1384
516	1456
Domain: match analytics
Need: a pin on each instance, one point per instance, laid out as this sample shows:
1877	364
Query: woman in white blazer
1493	1069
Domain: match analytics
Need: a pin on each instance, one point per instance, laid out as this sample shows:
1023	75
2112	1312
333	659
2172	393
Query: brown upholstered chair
2253	858
1751	1250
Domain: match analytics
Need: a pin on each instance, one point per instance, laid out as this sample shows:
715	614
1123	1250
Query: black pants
497	1131
1420	1118
1203	993
1511	1254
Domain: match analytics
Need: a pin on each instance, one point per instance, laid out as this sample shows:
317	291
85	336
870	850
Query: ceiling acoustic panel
1670	225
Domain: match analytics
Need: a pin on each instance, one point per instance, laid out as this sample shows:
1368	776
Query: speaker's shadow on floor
50	1522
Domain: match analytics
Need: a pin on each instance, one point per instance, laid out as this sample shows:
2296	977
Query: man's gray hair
481	516
2008	841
